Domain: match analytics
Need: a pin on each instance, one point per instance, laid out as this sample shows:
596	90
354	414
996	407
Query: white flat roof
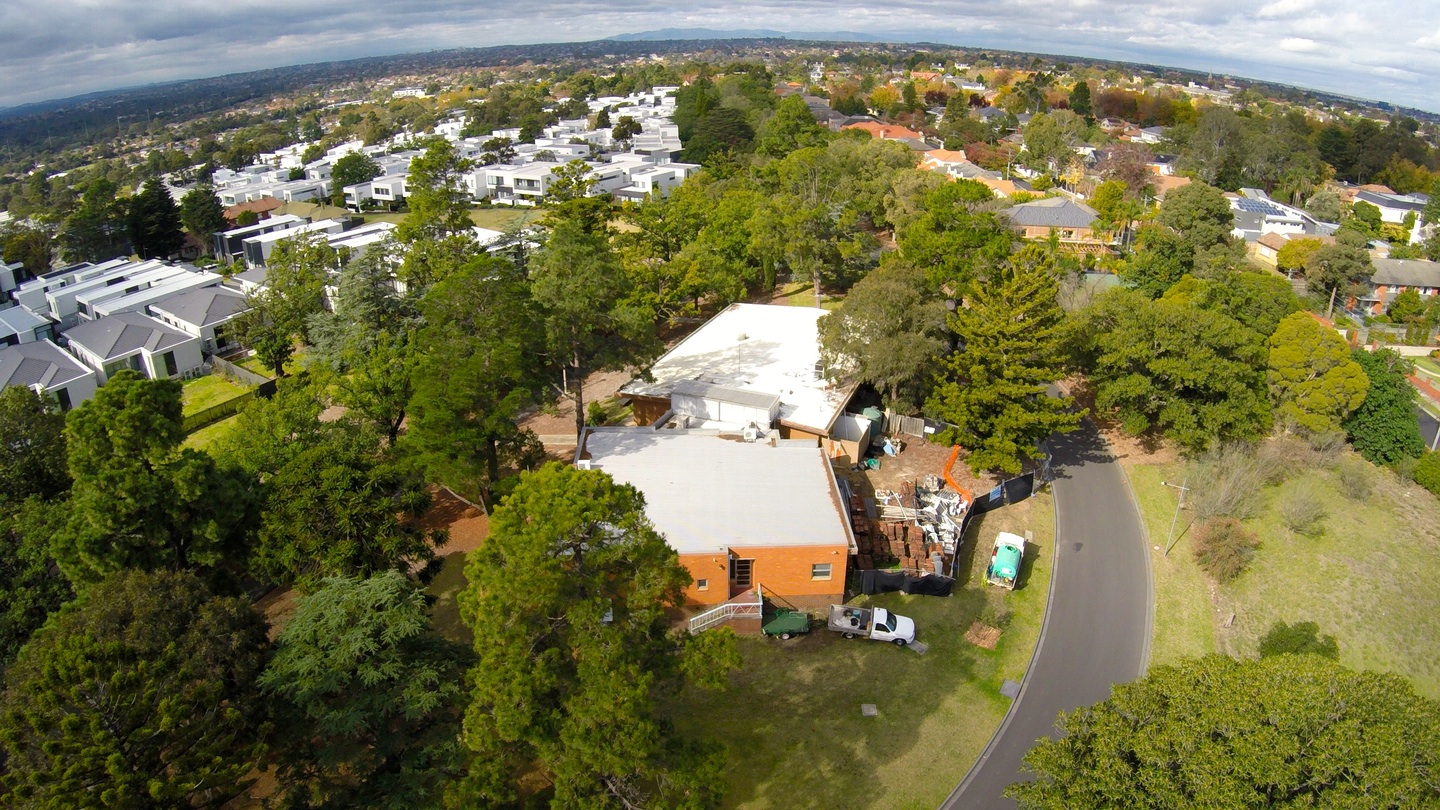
762	348
707	494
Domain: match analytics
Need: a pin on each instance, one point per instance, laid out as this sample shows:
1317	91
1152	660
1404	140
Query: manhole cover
869	710
1010	689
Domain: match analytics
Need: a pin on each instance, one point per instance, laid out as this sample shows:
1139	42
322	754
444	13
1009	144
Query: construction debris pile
918	527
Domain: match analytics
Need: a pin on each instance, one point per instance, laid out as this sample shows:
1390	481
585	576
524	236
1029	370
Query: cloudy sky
1382	49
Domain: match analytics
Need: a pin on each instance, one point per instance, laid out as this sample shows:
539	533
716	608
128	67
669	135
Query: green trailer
787	624
1005	557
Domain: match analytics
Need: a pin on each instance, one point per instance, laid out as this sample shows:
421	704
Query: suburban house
257	248
1073	222
205	314
1394	207
20	325
88	291
135	341
886	132
1256	214
1266	249
742	514
755	366
45	368
230	245
1394	276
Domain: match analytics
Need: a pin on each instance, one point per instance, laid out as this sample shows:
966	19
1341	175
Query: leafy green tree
139	500
993	387
1300	638
281	311
353	169
724	130
956	237
1160	260
1047	146
1293	255
1313	382
140	694
30	247
1368	216
497	150
246	218
1108	200
333	512
590	323
1257	300
625	129
32	446
1407	305
1080	103
439	203
1334	268
479	366
1285	731
153	222
30	588
1324	206
889	331
1200	214
202	214
1193	374
270	432
791	127
371	696
567	680
95	230
1383	429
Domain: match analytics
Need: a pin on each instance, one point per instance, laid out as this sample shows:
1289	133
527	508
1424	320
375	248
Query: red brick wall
780	570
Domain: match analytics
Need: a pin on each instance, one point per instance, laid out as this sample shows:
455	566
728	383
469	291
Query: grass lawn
1427	364
503	219
1372	579
791	720
1184	618
204	392
203	438
445	613
802	294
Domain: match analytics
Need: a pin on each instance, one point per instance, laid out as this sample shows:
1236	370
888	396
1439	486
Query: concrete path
1097	624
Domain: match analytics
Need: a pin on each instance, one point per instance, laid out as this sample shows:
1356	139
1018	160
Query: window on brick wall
702	584
820	571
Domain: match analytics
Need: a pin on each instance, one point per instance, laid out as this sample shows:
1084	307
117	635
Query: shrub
1226	482
1300	638
1427	471
1303	511
1356	478
1224	547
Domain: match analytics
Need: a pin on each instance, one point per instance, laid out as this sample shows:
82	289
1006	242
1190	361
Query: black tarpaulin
890	581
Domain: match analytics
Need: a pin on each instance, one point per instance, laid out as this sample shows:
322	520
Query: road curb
1149	570
1029	665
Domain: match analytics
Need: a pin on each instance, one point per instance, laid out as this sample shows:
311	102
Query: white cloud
55	48
1299	45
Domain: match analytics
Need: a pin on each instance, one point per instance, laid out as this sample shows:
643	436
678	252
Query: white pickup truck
877	624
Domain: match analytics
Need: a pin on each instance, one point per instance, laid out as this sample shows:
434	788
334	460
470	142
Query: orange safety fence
965	494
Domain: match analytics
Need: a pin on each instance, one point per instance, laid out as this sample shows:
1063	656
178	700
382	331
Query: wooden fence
239	374
216	412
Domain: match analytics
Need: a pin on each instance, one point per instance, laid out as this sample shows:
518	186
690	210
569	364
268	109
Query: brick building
765	513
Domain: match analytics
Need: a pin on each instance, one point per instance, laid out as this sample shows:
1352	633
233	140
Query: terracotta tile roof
264	205
888	132
1274	241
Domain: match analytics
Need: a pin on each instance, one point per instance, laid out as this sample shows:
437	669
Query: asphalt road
1097	625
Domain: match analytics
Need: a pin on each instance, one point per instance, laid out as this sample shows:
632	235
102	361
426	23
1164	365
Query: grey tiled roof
1052	212
118	335
38	363
202	307
1406	273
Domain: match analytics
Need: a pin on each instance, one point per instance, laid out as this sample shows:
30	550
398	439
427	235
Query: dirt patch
278	606
556	424
467	523
983	635
1149	448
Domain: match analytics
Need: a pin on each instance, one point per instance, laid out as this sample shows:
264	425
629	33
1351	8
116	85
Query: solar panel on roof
1257	207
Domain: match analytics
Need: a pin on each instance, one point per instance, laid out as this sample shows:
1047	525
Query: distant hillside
746	33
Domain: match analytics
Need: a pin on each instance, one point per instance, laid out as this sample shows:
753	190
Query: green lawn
791	719
445	613
802	294
1184	617
1372	579
1427	364
206	437
210	390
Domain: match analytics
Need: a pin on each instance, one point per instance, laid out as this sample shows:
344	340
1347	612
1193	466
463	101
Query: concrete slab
869	710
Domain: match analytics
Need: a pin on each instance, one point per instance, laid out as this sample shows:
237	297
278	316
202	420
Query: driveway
1097	624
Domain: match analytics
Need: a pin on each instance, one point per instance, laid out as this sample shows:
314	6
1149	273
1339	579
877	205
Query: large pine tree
154	222
993	387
